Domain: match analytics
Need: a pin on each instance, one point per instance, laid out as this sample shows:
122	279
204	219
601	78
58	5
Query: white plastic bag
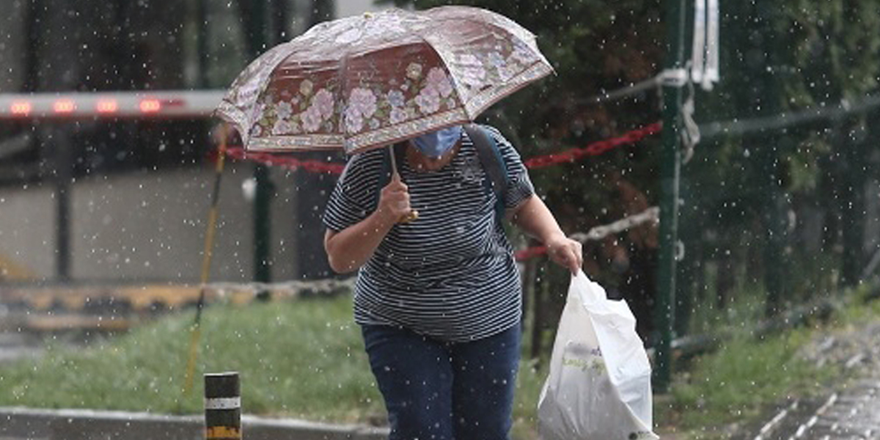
599	385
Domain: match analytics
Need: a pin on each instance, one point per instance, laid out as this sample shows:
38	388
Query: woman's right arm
350	248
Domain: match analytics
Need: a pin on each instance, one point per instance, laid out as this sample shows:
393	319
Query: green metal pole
262	225
769	145
853	206
256	29
312	190
202	41
670	170
61	147
774	222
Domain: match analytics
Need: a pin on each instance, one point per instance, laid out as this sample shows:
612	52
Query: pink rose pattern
421	90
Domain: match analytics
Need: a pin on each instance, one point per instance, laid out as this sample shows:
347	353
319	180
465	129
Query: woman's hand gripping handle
394	204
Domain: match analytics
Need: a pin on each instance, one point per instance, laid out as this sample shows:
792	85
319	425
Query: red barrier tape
291	163
572	155
531	252
594	149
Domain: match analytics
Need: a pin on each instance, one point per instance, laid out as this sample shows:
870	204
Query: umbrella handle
412	215
408	217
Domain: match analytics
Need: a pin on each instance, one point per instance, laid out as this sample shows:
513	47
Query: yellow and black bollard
222	407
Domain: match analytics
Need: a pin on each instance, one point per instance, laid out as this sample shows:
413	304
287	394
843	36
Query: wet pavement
851	410
852	413
71	424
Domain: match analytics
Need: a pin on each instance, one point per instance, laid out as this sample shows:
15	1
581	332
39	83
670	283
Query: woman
438	299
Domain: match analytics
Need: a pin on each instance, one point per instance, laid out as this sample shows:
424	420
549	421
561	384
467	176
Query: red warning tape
594	149
571	155
528	253
314	166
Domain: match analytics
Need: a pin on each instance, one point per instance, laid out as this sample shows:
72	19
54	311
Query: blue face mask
438	143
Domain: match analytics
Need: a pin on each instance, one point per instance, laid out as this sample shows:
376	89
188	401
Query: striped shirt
450	274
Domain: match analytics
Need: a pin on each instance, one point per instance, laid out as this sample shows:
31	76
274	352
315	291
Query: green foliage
828	42
785	57
789	57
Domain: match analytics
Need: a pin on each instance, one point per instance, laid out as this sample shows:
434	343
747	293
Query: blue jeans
436	390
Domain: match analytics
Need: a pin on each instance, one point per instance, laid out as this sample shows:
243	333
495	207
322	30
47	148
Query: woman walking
438	299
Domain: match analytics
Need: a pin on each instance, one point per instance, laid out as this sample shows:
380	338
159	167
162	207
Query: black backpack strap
493	164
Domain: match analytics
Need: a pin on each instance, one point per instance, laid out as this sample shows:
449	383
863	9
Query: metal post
685	273
769	145
32	44
63	175
313	190
202	42
255	27
537	289
669	188
853	153
262	227
222	406
774	222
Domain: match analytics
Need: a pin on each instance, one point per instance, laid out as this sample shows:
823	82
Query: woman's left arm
533	217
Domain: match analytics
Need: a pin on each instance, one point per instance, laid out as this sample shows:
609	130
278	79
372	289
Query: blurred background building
106	199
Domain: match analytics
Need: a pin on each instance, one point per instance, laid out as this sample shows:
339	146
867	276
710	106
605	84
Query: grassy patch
302	359
743	309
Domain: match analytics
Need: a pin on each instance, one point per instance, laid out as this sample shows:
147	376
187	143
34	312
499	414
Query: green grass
301	359
743	309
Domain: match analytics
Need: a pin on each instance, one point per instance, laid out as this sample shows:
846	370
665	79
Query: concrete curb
69	424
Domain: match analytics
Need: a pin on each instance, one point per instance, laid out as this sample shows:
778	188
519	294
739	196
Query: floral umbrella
367	81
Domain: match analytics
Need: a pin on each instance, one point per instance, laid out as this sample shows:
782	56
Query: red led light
64	106
150	106
20	108
107	106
